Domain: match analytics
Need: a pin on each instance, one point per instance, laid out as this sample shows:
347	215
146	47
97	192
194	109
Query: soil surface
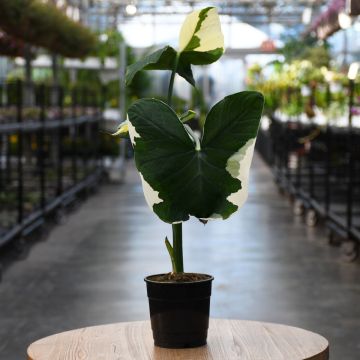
179	277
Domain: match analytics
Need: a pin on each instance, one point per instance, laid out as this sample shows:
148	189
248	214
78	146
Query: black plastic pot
179	312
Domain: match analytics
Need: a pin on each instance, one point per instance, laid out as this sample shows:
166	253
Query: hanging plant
46	26
10	46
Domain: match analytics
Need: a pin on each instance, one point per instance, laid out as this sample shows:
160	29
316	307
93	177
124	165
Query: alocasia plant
184	175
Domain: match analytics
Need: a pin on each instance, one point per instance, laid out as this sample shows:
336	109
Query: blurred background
76	237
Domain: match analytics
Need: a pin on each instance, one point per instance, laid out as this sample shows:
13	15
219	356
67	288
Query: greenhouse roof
254	12
146	30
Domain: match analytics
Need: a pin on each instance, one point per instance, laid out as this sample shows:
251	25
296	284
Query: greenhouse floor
267	265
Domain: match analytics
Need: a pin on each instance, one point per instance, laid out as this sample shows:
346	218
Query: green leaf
181	179
163	59
201	41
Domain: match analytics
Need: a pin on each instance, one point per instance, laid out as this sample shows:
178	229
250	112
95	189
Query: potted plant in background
184	175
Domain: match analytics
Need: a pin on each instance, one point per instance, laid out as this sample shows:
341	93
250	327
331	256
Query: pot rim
147	280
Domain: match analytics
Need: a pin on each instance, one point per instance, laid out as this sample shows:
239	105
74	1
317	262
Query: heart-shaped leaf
201	42
183	176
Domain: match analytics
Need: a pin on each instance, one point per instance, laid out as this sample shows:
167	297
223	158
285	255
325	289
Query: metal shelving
49	153
321	175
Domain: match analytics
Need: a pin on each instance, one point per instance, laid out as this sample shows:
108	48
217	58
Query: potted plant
184	175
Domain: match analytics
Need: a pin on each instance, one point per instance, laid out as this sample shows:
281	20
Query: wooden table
227	340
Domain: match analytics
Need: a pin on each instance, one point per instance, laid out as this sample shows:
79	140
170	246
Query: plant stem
176	251
177	248
172	78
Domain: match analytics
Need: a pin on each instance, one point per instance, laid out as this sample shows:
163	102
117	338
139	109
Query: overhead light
103	37
60	3
328	74
76	14
306	16
131	9
69	11
344	20
353	70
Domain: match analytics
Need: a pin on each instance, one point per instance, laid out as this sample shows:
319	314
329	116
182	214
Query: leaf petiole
194	136
171	253
187	116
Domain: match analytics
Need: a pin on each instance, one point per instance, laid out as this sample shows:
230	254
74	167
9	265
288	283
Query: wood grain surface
227	340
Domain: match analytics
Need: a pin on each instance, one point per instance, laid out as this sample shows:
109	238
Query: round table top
227	339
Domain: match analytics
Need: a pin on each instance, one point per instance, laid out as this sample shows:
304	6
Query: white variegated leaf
201	31
238	165
122	129
184	176
201	42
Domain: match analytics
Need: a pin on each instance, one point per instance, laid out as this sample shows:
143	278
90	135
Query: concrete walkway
267	266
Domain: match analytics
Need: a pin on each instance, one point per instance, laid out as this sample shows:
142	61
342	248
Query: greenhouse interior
179	179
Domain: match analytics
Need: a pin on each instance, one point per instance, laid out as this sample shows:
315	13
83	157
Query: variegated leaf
122	130
183	176
201	42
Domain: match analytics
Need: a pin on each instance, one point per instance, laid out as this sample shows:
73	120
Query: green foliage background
46	26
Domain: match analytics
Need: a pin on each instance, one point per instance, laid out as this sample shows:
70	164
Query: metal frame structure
49	154
253	12
322	175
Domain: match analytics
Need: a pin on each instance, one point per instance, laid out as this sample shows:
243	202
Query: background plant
46	26
300	87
